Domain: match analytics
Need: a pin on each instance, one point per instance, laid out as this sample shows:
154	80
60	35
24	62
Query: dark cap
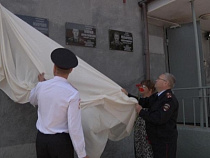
64	58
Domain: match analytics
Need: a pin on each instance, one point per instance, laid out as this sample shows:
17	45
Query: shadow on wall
120	149
17	124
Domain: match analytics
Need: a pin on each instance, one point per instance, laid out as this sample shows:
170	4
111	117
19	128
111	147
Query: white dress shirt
161	92
59	111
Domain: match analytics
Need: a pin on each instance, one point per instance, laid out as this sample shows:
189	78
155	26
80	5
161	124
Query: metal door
182	63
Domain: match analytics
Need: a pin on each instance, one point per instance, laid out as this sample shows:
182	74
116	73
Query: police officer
59	115
161	117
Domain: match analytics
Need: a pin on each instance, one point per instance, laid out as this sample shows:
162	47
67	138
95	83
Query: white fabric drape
25	52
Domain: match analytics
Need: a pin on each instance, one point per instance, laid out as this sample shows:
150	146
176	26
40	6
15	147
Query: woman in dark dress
142	146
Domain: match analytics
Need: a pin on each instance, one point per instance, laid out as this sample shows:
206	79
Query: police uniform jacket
161	117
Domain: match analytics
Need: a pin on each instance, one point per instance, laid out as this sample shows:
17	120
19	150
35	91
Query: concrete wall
17	121
17	129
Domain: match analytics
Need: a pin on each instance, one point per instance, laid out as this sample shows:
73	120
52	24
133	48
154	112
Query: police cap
64	58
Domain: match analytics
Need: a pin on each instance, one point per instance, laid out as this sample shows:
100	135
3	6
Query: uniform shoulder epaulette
168	95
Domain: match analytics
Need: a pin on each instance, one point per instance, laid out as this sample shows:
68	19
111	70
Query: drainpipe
198	62
143	5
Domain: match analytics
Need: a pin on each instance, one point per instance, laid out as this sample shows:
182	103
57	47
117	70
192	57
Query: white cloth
107	113
59	111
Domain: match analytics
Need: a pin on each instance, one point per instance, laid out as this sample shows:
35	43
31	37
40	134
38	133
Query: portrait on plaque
119	40
80	35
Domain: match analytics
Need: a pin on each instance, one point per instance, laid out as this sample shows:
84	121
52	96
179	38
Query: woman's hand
138	108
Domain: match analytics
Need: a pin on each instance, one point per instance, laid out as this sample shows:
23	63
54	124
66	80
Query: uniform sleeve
161	115
75	127
130	95
148	101
144	102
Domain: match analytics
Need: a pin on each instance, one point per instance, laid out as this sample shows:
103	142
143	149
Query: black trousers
164	150
54	146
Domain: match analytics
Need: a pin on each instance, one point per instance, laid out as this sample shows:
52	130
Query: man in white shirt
59	116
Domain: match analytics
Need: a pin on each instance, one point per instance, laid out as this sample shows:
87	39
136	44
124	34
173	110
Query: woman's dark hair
150	85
